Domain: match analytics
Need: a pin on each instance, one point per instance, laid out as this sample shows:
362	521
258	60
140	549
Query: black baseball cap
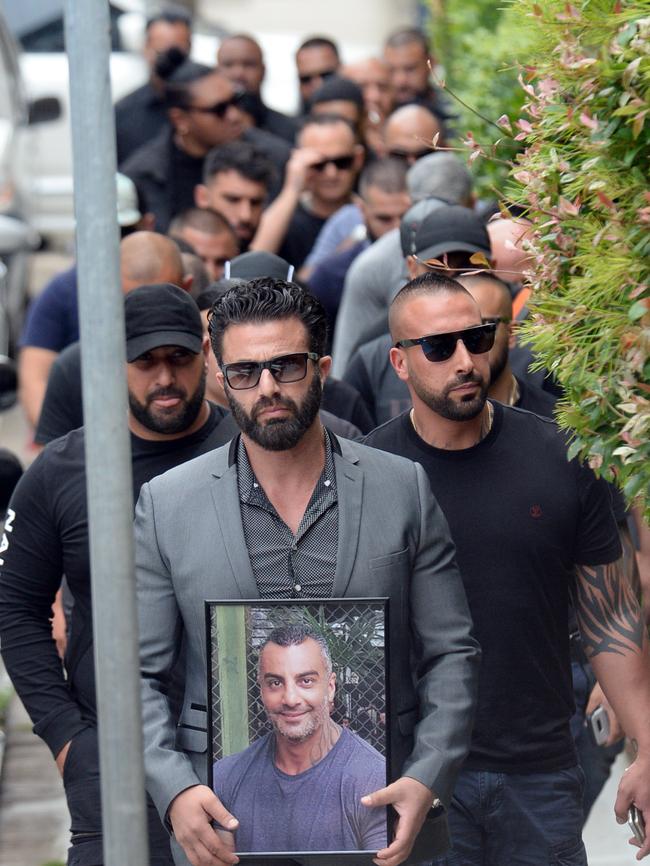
444	229
161	314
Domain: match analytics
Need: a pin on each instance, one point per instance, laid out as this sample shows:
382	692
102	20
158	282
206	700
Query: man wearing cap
46	536
53	319
379	272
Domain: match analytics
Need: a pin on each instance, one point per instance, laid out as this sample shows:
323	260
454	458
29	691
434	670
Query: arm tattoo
608	612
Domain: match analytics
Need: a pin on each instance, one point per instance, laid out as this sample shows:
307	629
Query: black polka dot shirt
287	565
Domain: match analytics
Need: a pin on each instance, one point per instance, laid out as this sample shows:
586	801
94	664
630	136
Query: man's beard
175	419
278	434
311	724
453	410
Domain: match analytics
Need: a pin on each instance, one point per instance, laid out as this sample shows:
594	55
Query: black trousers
82	790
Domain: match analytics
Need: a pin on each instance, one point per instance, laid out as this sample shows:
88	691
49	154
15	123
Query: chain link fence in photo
354	632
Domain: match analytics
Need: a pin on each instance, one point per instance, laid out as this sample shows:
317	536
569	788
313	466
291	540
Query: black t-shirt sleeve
597	539
30	575
62	409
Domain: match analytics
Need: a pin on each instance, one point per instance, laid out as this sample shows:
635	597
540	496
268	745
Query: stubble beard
445	406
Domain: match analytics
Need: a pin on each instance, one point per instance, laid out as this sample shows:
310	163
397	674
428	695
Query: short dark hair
203	220
431	283
170	15
407	36
295	634
264	299
327	120
242	157
388	174
319	42
178	73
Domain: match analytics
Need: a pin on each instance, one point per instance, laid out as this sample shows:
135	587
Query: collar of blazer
349	485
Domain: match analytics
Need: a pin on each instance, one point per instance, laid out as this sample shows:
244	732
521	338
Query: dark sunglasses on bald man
307	79
341	163
284	368
219	109
440	347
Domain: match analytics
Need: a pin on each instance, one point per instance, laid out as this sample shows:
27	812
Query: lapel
225	498
349	487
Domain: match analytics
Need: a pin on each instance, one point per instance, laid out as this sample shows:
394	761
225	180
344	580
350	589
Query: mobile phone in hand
598	725
636	823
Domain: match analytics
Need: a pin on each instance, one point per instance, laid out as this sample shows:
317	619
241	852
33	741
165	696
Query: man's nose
462	357
291	697
267	384
165	374
244	212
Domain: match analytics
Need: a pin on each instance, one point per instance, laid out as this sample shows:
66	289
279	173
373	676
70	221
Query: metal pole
108	460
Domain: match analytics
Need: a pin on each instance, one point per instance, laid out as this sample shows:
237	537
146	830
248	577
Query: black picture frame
356	632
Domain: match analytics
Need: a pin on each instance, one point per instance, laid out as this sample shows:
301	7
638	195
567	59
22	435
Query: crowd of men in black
293	286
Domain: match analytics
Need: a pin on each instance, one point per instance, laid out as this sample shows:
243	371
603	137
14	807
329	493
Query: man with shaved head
533	531
145	257
410	133
209	234
53	318
240	59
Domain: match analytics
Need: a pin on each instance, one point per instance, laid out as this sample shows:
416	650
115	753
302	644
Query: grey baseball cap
445	229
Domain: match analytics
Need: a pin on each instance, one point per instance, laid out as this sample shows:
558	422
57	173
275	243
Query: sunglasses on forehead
285	368
219	109
440	347
341	163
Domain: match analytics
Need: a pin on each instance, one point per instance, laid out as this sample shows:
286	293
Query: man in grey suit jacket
288	510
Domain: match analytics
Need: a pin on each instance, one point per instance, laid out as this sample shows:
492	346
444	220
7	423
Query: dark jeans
82	790
596	761
504	819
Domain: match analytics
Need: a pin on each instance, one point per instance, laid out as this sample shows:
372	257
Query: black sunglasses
405	155
489	320
285	368
440	347
219	109
307	79
342	163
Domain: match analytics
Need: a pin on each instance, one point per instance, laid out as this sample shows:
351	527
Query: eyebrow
298	676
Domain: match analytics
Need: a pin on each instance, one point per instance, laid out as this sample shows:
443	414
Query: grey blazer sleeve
446	655
168	771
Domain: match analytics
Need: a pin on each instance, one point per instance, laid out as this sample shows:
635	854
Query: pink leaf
588	121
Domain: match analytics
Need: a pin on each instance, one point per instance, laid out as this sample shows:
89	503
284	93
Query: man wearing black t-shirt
46	536
528	528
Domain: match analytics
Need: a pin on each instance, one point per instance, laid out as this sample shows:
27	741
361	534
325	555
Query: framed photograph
298	726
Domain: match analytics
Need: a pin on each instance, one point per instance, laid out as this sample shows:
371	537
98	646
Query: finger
215	808
645	849
622	804
381	797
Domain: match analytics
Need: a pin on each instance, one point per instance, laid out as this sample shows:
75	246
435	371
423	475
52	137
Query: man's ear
201	196
186	283
512	334
398	360
412	267
324	367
